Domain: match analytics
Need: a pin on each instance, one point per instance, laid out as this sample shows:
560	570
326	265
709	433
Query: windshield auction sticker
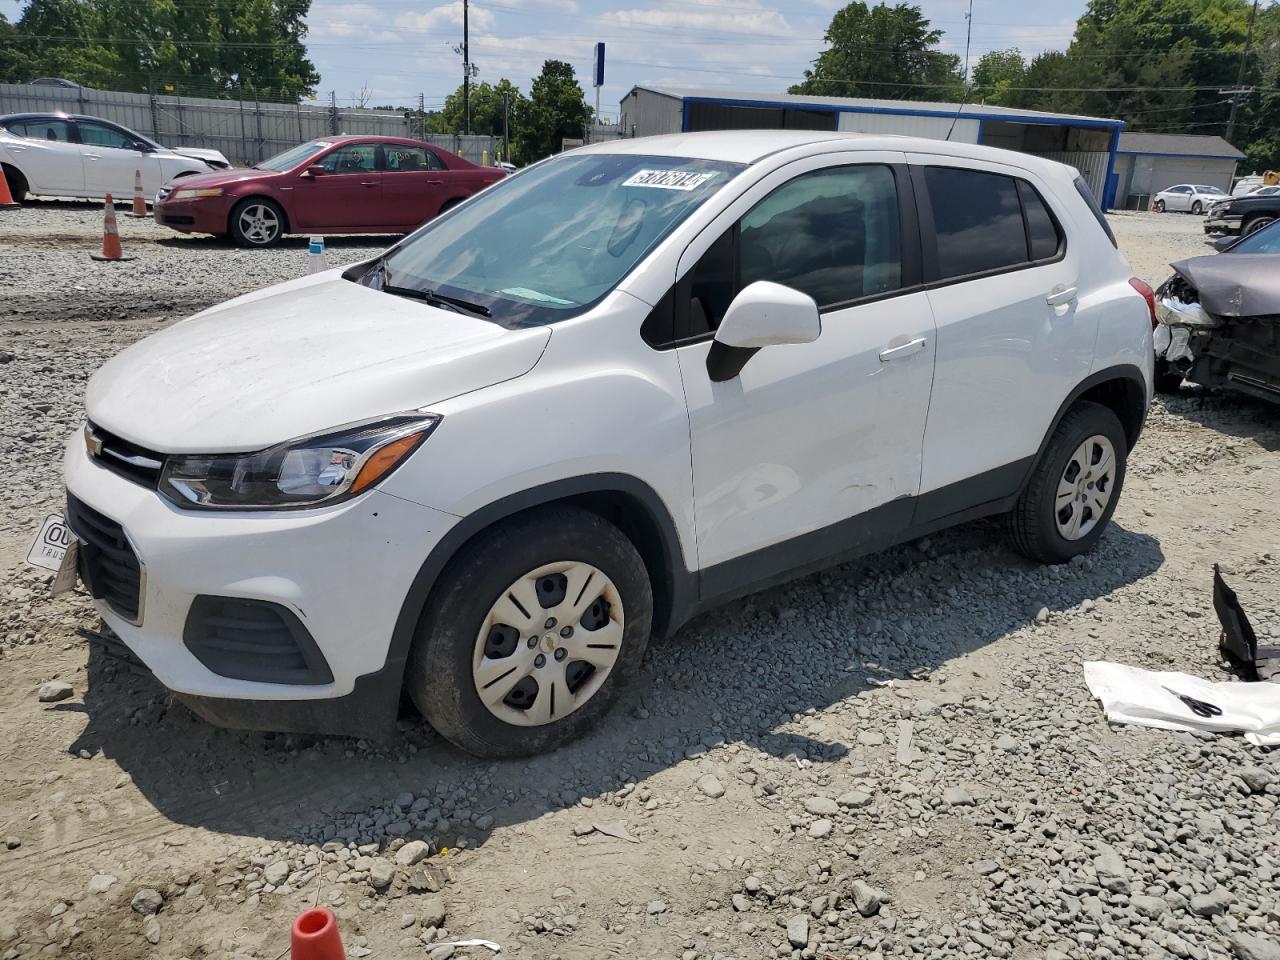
669	179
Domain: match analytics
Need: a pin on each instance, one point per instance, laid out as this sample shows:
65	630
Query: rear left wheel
17	183
1075	487
530	632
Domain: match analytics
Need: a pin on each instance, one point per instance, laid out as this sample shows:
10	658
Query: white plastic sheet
1132	695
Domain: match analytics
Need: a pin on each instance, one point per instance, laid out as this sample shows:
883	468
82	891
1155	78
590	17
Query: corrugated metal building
1147	163
1087	143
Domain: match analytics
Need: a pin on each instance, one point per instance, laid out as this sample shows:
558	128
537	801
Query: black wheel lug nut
561	653
566	632
533	642
540	660
551	622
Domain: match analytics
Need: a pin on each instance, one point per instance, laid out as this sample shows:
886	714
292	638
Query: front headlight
307	472
194	192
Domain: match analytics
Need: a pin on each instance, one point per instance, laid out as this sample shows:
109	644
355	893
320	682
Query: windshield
1266	240
552	240
291	157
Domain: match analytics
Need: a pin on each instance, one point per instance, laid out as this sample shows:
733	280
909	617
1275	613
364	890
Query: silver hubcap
259	223
1085	488
548	643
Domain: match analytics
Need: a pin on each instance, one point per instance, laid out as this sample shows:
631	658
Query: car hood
212	157
222	178
1235	284
297	359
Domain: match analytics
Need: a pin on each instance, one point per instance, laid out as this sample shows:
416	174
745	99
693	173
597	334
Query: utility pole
506	133
466	67
1240	91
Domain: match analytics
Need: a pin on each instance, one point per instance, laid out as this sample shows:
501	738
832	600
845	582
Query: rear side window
1086	195
51	130
977	219
1043	237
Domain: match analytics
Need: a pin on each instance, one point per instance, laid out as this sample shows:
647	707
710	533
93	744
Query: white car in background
68	155
1188	198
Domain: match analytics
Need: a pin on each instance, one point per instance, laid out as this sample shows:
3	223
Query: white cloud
449	14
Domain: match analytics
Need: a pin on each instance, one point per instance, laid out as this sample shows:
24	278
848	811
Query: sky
390	51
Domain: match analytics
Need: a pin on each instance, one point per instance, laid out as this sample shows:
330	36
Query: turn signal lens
197	192
386	459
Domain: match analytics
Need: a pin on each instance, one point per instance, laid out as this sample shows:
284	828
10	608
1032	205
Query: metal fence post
257	111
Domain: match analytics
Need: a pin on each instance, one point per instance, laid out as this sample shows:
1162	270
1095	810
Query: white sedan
66	155
1188	198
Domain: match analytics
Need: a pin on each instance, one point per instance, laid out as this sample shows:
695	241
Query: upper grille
121	457
108	565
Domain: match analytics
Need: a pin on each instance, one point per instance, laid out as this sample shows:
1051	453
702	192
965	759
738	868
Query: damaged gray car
1218	319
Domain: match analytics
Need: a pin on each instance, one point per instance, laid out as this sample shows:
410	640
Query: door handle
435	181
904	350
1060	295
93	156
368	183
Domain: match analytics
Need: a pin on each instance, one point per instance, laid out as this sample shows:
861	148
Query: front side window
100	135
832	234
552	241
977	220
58	131
352	158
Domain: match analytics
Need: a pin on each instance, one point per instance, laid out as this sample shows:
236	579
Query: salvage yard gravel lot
761	792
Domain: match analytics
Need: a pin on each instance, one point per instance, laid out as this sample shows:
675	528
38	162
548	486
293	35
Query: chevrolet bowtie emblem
92	442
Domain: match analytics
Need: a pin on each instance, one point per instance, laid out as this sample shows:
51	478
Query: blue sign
599	70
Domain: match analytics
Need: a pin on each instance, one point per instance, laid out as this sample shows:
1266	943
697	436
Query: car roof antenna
964	96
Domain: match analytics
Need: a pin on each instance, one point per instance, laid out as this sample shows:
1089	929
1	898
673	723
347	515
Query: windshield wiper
436	299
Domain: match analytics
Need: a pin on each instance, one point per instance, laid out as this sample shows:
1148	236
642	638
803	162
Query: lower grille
108	565
175	220
253	640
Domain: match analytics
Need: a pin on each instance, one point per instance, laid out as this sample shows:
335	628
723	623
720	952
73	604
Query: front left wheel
256	222
530	632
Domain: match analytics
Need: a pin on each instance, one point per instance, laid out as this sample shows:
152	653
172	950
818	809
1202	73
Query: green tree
883	51
14	64
556	109
219	48
998	77
486	109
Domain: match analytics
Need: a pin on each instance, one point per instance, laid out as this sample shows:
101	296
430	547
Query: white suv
621	387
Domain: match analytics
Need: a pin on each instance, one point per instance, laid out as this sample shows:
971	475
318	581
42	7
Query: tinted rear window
977	219
1086	195
1042	232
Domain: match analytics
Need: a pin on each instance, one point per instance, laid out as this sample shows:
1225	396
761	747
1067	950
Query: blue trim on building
1108	192
1176	156
908	112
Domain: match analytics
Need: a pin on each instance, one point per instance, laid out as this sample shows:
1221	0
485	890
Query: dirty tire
1252	225
17	184
1158	206
439	677
268	236
1032	524
1167	380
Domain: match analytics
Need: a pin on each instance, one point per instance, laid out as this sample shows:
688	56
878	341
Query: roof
909	107
751	146
1178	145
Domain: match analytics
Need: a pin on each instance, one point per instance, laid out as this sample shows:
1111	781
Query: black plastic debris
1239	644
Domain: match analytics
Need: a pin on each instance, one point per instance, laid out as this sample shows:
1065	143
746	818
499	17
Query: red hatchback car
347	184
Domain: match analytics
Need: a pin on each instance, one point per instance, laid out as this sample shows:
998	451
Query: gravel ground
761	793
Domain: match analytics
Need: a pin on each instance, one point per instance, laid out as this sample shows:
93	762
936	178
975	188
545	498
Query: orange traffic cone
315	936
139	201
6	198
111	250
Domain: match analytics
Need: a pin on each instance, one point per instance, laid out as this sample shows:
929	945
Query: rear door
1003	283
1179	198
49	159
111	156
413	185
347	196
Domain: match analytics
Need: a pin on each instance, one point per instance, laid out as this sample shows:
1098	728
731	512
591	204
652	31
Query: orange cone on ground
6	198
111	249
139	201
315	936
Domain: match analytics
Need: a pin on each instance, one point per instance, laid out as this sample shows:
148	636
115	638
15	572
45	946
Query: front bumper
202	215
1222	225
343	571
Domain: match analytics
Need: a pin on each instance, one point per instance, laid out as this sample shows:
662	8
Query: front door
50	158
1011	342
348	195
111	159
812	449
